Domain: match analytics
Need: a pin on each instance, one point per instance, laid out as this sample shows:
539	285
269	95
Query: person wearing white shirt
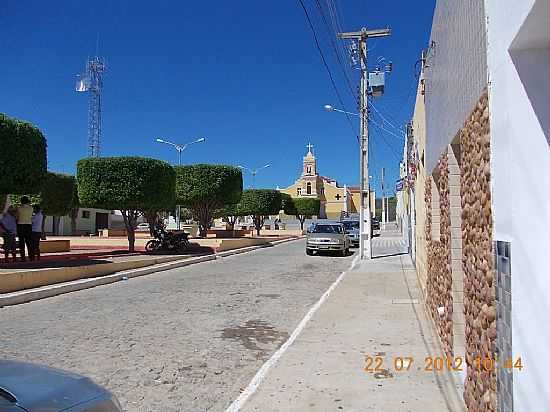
36	220
8	227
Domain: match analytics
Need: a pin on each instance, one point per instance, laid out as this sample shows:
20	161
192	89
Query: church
336	200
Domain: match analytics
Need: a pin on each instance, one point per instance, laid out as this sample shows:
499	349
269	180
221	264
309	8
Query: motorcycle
168	241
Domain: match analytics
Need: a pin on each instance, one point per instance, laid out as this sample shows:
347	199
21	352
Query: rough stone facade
440	282
477	259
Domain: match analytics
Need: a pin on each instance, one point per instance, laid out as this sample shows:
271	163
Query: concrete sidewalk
374	311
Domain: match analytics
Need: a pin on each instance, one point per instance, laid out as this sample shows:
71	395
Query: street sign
399	185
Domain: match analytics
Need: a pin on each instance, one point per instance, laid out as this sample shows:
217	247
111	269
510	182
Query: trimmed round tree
287	204
232	214
129	184
73	211
304	207
205	188
55	196
260	203
22	158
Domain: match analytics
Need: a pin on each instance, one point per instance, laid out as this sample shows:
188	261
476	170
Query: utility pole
365	229
383	201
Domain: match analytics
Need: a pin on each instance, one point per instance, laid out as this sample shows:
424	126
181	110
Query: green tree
22	158
260	203
304	207
207	188
132	185
287	204
232	213
73	211
55	197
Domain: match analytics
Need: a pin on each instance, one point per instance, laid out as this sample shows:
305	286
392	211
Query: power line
337	27
381	127
383	118
335	48
392	149
341	101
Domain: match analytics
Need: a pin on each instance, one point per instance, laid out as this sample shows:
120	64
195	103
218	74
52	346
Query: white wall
519	96
457	71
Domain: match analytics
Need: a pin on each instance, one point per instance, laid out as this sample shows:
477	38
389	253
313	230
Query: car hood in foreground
40	388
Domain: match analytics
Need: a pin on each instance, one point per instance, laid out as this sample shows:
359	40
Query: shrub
260	203
207	188
132	185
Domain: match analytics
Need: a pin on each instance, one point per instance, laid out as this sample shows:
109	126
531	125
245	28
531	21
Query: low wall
112	233
221	245
33	278
56	245
289	232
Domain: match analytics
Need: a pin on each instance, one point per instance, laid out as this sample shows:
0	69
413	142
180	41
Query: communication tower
92	82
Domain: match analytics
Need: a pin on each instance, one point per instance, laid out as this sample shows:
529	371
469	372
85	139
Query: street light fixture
330	108
180	148
253	172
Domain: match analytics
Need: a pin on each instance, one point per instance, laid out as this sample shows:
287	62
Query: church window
299	191
308	188
309	170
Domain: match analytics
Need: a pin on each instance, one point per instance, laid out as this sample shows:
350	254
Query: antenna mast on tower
92	82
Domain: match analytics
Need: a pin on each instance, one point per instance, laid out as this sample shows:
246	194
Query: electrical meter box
377	82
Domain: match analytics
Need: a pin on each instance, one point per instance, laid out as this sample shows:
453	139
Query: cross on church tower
309	147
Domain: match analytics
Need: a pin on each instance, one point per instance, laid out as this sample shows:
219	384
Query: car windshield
350	225
327	229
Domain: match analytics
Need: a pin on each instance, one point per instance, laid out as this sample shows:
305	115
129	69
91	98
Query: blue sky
245	74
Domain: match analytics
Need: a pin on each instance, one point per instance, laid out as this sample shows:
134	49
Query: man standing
37	219
8	225
24	227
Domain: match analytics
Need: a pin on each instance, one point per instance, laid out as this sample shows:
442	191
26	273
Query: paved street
182	340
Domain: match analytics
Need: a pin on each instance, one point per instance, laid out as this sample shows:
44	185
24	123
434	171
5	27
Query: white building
486	89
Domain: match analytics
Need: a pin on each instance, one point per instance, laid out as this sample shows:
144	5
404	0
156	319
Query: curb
25	296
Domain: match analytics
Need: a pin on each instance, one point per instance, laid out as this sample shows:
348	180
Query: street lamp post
180	148
365	224
253	172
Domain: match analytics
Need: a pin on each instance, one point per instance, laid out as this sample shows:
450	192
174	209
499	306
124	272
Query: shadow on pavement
390	255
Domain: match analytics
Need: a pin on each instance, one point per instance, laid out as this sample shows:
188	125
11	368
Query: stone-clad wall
439	283
477	259
445	280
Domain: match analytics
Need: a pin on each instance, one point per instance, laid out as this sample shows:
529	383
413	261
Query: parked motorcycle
168	241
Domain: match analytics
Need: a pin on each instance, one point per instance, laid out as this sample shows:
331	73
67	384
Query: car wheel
309	252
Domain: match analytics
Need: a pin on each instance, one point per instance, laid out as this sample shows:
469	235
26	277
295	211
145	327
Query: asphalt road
182	340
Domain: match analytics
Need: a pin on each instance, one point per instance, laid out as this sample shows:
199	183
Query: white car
142	227
327	237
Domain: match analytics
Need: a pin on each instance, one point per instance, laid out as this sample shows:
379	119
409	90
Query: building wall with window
519	96
88	222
